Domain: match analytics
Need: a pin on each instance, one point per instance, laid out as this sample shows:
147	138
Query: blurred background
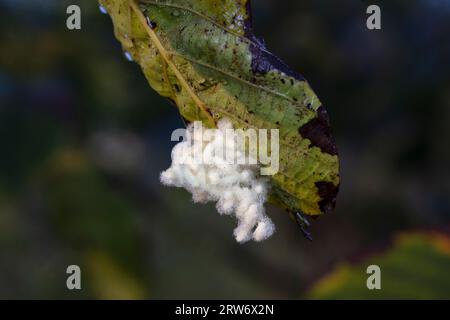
83	139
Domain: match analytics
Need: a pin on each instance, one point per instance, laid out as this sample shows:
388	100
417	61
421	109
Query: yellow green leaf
203	55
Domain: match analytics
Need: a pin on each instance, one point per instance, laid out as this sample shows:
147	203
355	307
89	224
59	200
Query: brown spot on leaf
327	192
263	61
318	131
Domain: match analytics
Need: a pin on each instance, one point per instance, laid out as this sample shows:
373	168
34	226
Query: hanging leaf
203	55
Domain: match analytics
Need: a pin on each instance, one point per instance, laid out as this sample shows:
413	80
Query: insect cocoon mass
213	166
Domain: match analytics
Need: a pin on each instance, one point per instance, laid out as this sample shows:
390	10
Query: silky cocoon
202	165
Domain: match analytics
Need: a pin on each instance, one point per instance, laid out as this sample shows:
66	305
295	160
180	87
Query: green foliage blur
83	139
414	266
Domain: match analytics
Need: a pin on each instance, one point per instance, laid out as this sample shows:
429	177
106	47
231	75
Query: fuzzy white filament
202	165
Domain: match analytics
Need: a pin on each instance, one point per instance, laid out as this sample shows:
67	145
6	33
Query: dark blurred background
83	139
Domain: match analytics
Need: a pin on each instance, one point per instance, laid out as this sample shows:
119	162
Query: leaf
415	267
203	55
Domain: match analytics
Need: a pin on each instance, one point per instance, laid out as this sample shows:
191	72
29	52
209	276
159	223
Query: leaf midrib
166	56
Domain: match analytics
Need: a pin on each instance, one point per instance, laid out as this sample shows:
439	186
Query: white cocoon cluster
202	165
